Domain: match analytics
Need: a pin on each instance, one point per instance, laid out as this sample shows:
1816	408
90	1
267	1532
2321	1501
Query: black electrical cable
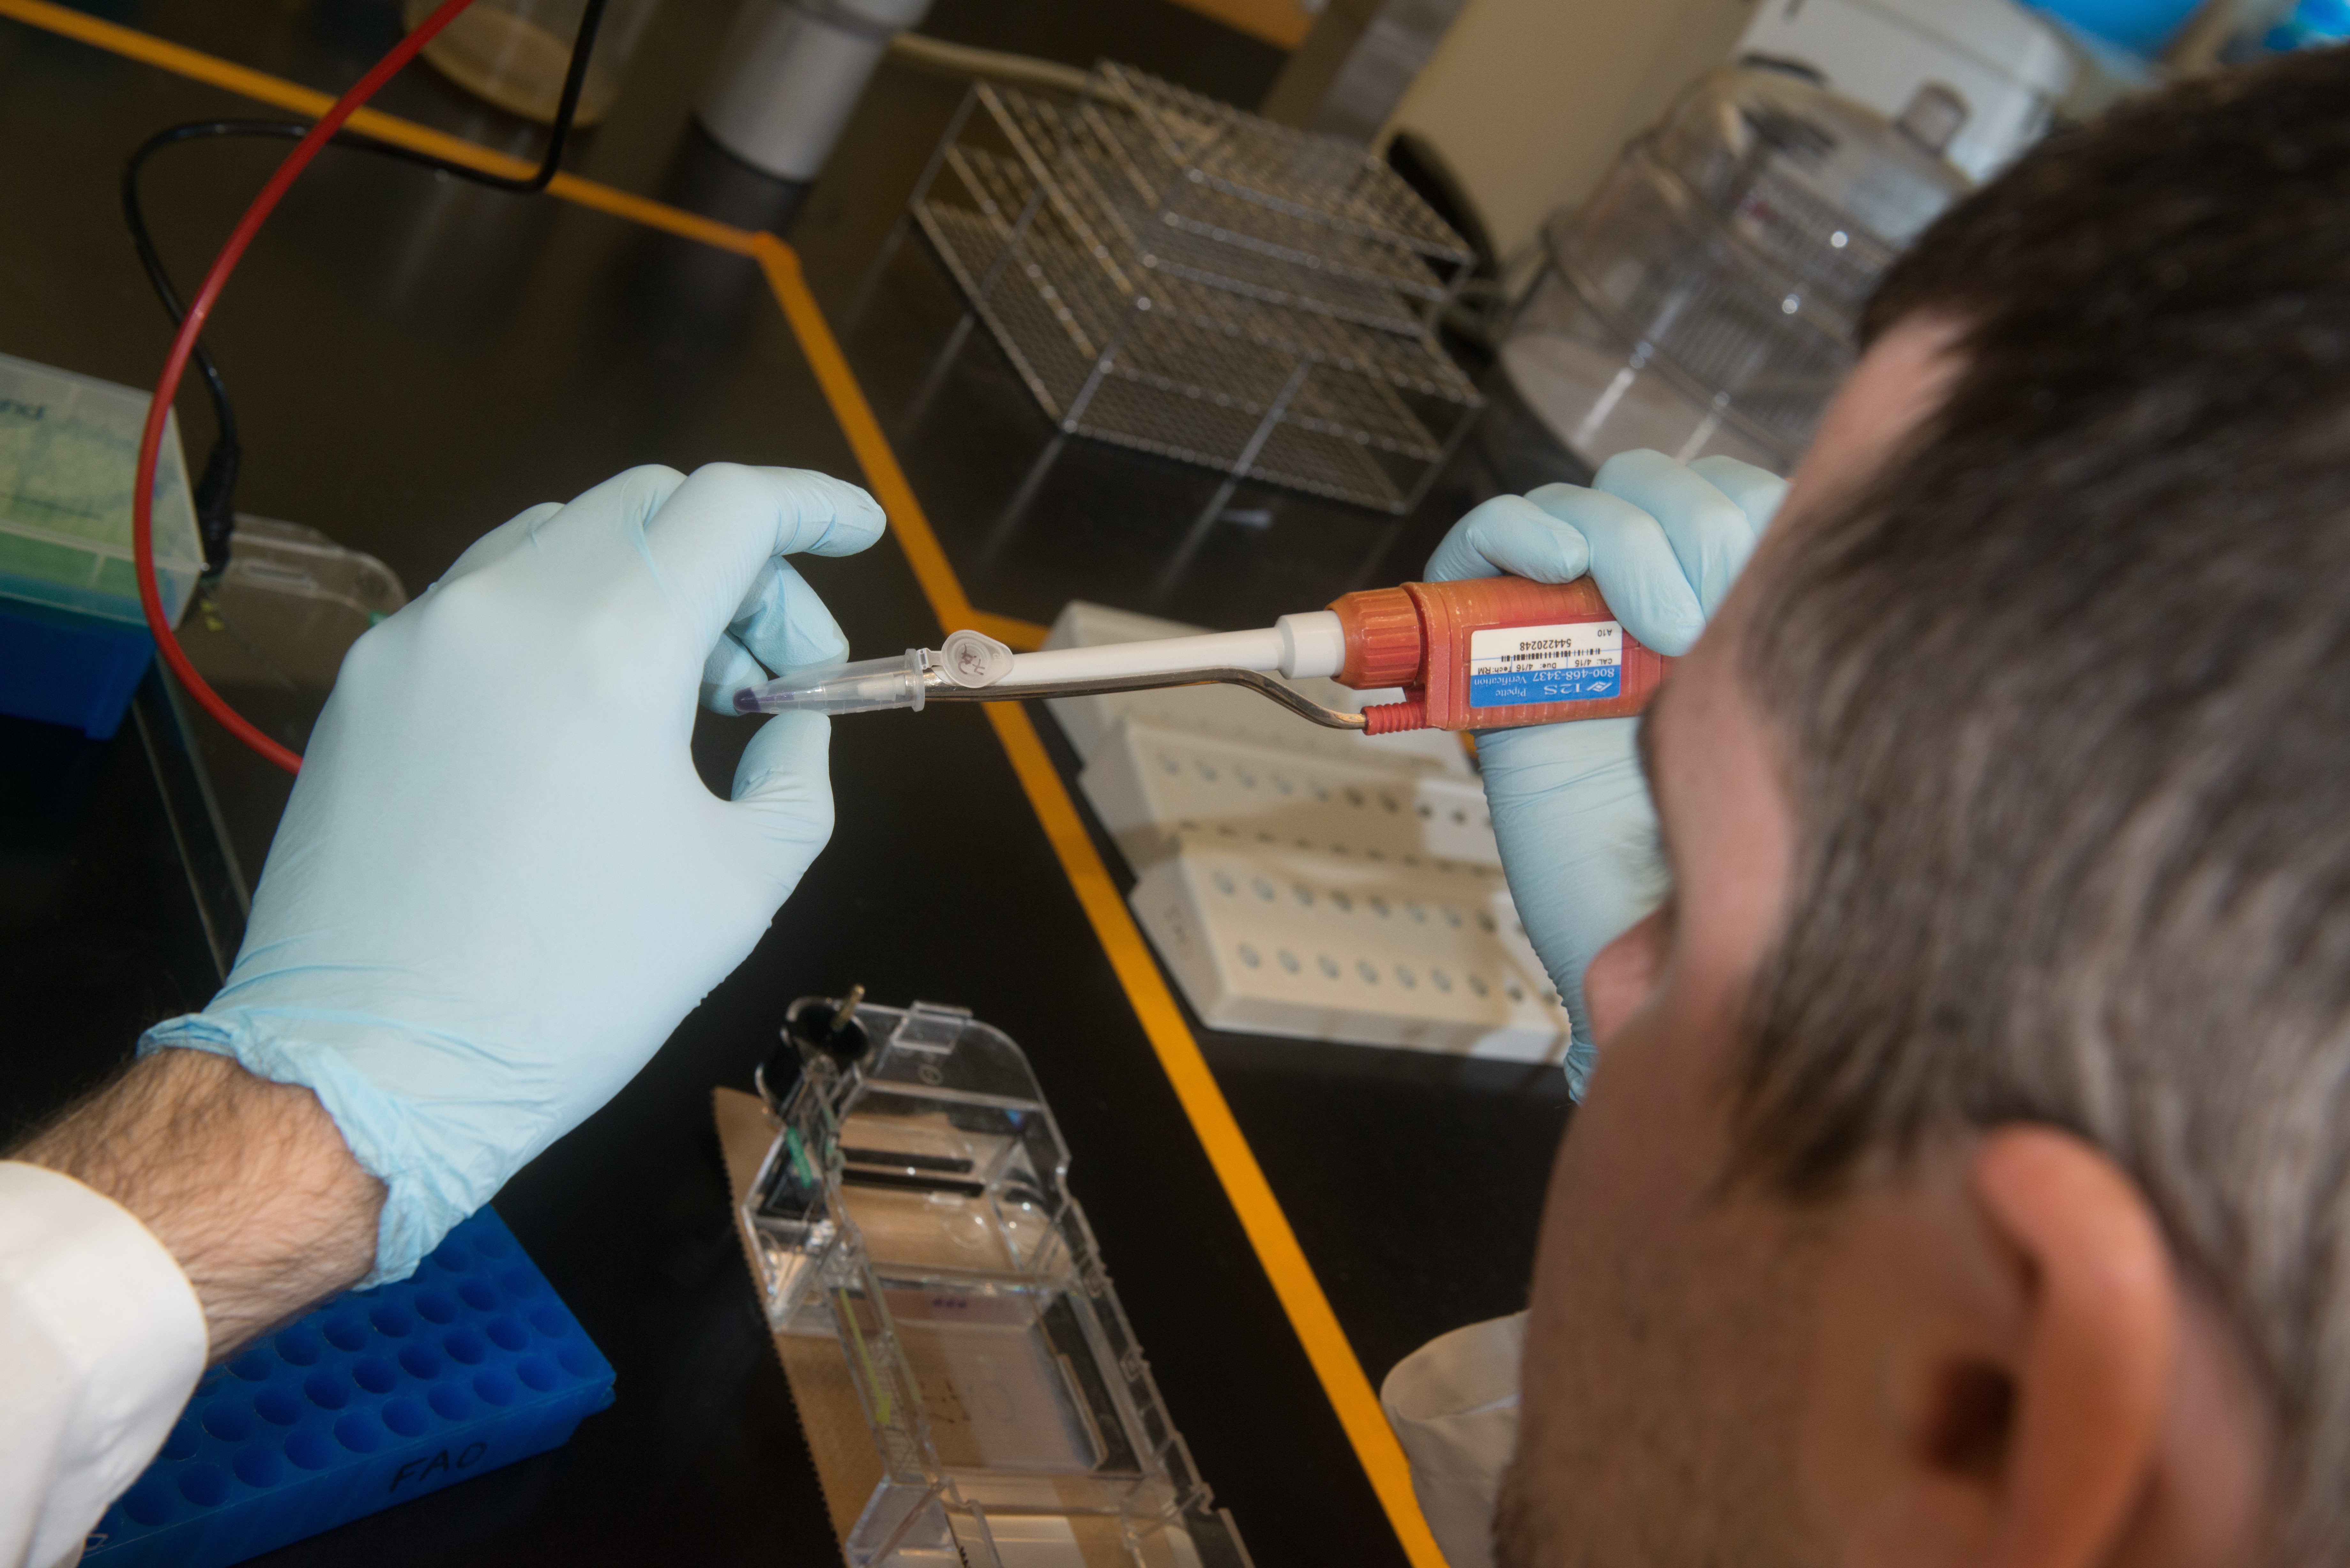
215	489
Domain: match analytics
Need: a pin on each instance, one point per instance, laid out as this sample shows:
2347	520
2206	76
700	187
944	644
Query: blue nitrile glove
500	883
1663	542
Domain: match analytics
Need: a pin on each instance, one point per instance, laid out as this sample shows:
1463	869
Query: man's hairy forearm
245	1182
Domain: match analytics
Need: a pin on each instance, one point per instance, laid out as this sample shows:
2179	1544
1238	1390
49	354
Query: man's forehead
1709	755
1674	732
1714	761
1899	382
1686	708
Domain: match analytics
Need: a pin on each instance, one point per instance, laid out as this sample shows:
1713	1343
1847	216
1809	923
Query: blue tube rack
67	669
375	1397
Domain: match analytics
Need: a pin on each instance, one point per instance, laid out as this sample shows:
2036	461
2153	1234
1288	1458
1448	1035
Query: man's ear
1999	1343
2099	1351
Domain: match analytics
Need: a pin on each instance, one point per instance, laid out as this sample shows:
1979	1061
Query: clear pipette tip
867	686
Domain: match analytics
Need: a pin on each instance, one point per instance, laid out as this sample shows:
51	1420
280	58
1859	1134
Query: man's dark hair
2066	694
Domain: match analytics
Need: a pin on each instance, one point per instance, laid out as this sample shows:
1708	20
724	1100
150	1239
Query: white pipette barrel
1297	645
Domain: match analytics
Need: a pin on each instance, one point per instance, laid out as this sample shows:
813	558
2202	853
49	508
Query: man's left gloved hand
500	883
1663	541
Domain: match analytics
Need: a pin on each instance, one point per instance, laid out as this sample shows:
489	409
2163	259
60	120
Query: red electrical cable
175	366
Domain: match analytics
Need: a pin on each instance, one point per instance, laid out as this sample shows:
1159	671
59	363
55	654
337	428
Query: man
1962	1181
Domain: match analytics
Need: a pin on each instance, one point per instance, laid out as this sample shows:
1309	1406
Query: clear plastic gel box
968	1382
69	454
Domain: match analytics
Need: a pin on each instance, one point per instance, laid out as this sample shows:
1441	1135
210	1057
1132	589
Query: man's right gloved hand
1663	542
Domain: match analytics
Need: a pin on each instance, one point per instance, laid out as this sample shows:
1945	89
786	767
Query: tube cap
972	658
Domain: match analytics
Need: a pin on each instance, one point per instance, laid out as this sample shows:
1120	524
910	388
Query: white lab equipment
2009	67
1453	1404
1296	898
791	73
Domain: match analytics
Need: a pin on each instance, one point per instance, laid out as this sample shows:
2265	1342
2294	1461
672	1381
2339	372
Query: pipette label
1576	662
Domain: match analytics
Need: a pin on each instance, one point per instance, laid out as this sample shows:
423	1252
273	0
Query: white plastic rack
1292	894
1171	274
1308	882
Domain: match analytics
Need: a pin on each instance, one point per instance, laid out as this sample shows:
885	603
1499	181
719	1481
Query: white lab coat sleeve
102	1340
1453	1404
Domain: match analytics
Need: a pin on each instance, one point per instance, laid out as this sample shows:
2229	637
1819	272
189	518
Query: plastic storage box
73	641
1706	298
969	1384
68	451
378	1396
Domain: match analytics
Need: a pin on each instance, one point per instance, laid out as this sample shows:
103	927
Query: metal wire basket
1173	274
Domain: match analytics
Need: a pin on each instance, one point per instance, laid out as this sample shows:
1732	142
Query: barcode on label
1580	662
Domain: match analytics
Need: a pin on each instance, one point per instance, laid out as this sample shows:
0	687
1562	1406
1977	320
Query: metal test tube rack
1172	273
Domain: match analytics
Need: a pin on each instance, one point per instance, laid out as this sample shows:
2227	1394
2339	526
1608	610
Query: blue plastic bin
378	1396
68	669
